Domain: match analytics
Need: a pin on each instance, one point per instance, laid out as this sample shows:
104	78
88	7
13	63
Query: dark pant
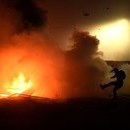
117	85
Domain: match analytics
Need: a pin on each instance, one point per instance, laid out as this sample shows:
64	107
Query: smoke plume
55	73
85	67
27	12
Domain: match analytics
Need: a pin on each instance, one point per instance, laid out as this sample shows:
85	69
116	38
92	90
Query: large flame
29	68
18	85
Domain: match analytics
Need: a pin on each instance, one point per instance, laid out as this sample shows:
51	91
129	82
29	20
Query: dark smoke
85	69
30	15
74	73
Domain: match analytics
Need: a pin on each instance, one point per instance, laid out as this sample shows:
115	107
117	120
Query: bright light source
18	85
114	38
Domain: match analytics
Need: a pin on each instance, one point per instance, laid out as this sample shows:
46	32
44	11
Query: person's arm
113	77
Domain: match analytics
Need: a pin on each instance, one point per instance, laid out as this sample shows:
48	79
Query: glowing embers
18	84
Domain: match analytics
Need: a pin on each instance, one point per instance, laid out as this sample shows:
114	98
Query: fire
4	95
18	85
29	71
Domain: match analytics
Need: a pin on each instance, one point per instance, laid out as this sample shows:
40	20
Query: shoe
102	87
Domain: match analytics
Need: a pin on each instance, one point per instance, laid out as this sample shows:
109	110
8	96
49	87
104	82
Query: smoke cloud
18	16
85	67
24	47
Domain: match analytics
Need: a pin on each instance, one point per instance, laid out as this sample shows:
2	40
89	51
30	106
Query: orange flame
4	95
19	84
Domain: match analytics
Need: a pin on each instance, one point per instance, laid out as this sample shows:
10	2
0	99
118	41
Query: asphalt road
43	114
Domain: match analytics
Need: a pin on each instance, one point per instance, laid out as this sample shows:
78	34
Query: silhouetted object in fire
120	76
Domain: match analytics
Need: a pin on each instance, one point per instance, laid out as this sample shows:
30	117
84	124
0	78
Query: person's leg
114	93
118	85
107	85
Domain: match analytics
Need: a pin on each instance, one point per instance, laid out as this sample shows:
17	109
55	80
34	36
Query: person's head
115	70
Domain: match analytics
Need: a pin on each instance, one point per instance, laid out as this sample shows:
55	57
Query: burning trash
18	85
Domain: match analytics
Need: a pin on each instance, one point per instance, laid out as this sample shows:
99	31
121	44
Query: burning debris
34	65
18	85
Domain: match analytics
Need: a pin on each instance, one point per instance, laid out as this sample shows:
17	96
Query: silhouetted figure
120	76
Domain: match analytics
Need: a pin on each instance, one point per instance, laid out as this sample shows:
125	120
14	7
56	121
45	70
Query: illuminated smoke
85	69
24	48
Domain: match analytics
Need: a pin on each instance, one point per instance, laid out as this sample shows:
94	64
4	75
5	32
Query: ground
35	113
